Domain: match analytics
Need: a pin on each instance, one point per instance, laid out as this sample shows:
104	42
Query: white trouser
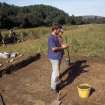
55	73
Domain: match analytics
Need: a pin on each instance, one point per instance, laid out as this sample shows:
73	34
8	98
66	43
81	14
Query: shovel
2	100
68	52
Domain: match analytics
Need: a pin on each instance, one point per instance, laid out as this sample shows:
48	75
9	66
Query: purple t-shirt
53	41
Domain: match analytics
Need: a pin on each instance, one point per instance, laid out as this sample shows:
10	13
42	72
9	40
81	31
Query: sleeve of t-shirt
51	42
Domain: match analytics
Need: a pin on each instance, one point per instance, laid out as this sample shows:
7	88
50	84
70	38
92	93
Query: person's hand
64	46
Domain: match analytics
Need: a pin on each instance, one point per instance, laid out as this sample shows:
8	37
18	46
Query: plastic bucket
84	90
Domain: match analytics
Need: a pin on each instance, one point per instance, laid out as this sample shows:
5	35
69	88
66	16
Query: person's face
57	32
61	33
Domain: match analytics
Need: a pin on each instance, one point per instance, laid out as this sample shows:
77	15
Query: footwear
58	88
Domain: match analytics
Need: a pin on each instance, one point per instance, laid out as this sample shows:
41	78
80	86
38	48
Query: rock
28	84
13	55
11	60
1	64
4	55
20	55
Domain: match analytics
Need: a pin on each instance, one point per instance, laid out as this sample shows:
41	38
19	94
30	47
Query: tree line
39	15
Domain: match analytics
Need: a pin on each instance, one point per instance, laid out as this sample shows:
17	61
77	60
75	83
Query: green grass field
86	40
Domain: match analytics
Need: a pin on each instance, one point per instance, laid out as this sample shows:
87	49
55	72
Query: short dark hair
56	26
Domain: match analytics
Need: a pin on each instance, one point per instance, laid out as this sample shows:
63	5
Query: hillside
30	16
40	15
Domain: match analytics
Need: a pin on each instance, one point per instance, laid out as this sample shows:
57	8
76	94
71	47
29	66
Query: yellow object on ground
84	90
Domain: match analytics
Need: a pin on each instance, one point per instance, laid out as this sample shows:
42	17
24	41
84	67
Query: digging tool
68	52
2	100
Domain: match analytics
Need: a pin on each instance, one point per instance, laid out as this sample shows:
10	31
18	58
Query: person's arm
57	48
60	48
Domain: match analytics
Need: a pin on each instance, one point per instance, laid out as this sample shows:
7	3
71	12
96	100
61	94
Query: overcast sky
75	7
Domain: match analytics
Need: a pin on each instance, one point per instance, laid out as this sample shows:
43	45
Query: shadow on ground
75	69
13	67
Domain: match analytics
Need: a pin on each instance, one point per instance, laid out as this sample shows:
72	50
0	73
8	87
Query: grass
86	40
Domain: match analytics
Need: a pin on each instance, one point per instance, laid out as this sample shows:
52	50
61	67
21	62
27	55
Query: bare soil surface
31	84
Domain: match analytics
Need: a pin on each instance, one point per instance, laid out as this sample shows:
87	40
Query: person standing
0	38
55	54
12	36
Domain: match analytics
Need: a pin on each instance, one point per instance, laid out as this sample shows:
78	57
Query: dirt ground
31	84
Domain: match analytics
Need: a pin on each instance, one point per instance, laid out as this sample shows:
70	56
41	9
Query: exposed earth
31	84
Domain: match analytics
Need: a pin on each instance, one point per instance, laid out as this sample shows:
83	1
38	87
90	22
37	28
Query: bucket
84	90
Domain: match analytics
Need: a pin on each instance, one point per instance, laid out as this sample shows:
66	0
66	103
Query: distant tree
6	22
39	15
73	20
